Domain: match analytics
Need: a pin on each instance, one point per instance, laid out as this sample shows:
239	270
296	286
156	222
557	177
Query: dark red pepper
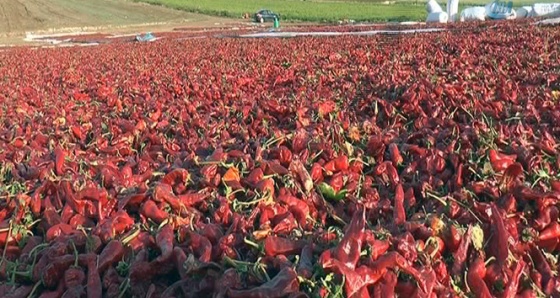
110	255
164	241
284	283
94	288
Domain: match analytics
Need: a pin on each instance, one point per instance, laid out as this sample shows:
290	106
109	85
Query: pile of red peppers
424	165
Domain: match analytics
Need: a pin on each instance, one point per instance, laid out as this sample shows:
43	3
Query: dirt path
17	17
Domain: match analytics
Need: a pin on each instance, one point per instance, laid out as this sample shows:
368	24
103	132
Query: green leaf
330	194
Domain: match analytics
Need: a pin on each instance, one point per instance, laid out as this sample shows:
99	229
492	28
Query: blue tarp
146	37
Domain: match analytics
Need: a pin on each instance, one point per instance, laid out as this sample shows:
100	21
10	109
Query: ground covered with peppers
423	165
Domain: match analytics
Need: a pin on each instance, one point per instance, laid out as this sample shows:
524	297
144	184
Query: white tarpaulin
545	10
452	10
437	17
473	14
432	6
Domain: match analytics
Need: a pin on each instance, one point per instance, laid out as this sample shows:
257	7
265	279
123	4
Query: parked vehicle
264	15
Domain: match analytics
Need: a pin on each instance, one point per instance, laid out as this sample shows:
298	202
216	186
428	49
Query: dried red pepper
285	282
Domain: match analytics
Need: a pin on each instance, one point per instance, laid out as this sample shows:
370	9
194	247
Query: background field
320	10
17	16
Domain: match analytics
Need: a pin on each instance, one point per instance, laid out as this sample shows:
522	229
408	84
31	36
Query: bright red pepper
500	161
475	279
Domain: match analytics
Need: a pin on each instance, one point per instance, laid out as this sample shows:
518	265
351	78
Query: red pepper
460	256
110	279
298	208
546	216
550	232
80	220
399	215
49	254
511	173
190	199
350	247
31	243
74	278
179	258
501	236
500	161
111	254
141	270
406	246
305	265
341	163
512	286
555	184
164	241
452	238
442	275
19	292
283	223
386	286
176	176
94	288
475	279
284	283
275	168
59	157
282	246
201	246
303	175
211	231
58	230
151	211
53	294
379	248
406	289
543	268
54	271
228	280
395	155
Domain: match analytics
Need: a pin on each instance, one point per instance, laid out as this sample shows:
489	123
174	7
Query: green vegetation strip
298	10
320	10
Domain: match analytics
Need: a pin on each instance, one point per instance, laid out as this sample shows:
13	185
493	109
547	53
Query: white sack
452	10
437	17
433	6
545	9
473	14
523	12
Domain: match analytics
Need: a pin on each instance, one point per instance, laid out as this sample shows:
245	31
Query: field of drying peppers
424	165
